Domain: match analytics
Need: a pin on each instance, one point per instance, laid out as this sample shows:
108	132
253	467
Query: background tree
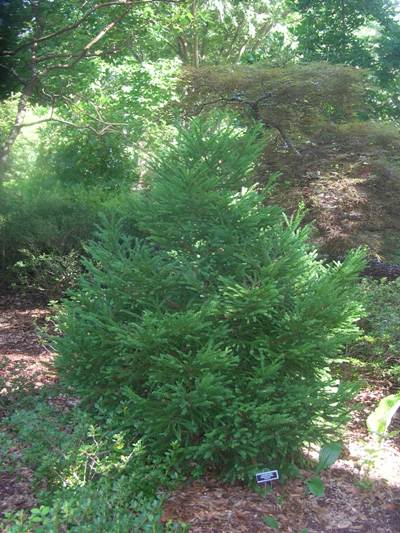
135	98
217	31
356	32
293	101
50	50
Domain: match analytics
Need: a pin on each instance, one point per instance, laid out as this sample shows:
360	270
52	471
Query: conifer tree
213	334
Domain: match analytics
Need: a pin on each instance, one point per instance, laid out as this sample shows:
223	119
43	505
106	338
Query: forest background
89	89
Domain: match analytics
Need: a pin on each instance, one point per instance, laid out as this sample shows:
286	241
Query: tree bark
26	92
195	46
183	50
287	140
5	149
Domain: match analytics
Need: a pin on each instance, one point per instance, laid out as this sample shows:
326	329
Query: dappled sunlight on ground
362	490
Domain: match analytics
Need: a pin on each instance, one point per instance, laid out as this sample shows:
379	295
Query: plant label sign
267	477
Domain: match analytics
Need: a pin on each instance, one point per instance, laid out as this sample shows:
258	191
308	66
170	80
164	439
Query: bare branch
100	132
255	108
234	39
112	50
104	125
22	81
39	121
106	29
235	99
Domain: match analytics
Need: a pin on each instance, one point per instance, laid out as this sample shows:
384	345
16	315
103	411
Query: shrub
297	98
43	226
106	507
78	157
47	272
212	336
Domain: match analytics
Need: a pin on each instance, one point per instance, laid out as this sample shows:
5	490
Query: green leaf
36	519
294	471
379	420
316	486
271	522
328	455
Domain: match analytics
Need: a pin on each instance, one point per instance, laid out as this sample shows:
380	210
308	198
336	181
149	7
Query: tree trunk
195	50
183	50
5	149
287	140
26	93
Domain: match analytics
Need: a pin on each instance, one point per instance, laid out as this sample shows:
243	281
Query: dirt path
360	496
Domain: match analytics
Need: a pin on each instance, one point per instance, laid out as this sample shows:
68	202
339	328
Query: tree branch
22	81
65	29
100	132
74	25
89	45
235	37
104	125
254	106
183	49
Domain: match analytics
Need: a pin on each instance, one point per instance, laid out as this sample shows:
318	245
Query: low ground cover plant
211	337
377	350
84	475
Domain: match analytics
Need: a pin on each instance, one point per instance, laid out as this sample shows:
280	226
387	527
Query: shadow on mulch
351	504
209	506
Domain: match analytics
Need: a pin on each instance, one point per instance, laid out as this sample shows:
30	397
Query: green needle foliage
212	336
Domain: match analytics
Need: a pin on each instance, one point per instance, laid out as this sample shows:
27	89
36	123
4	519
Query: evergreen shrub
212	336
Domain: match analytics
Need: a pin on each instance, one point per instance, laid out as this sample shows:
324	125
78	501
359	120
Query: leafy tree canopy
341	32
356	32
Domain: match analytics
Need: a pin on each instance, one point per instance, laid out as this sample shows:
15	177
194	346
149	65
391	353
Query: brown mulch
15	492
24	365
210	506
350	194
24	360
358	498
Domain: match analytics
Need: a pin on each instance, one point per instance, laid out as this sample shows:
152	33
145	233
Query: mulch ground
22	356
359	497
211	507
24	364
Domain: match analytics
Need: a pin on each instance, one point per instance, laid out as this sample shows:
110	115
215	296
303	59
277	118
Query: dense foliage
211	337
332	30
358	33
294	100
43	226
